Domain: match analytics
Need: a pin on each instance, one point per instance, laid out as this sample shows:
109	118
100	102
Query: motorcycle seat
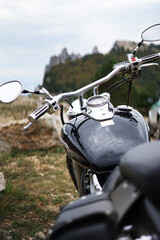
90	217
141	166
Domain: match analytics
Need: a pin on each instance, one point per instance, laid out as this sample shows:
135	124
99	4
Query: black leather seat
141	165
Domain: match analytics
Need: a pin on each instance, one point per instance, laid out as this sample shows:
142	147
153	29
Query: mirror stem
34	92
135	50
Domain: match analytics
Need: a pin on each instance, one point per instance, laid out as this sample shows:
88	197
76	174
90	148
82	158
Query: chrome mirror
9	91
151	34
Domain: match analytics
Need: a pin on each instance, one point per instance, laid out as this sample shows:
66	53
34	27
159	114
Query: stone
63	56
2	182
75	56
95	50
61	59
43	134
40	235
126	45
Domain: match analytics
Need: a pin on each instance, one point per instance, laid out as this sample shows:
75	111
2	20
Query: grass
18	109
37	184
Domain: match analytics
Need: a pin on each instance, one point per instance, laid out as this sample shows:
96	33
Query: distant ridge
69	74
56	60
63	57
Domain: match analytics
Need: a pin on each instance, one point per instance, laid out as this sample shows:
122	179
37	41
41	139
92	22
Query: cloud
33	30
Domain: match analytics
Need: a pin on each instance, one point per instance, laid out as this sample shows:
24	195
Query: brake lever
149	65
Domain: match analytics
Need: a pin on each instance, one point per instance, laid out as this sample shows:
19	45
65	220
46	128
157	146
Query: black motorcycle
127	208
97	134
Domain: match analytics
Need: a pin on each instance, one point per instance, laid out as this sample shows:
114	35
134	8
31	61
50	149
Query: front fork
94	183
87	182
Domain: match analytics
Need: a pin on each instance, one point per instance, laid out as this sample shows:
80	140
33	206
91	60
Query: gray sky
31	31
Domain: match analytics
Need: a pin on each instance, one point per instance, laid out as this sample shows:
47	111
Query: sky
31	31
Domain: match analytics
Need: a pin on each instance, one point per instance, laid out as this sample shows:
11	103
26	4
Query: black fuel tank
99	145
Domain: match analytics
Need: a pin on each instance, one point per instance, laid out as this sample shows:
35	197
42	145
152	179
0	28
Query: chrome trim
100	113
96	104
94	184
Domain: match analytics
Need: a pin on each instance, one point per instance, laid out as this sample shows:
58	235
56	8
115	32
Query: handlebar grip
38	113
150	58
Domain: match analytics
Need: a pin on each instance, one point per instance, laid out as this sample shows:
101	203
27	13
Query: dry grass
37	184
18	109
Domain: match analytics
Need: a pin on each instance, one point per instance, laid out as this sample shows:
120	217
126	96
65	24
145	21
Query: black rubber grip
150	58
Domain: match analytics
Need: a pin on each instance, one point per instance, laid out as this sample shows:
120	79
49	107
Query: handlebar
133	65
124	66
92	85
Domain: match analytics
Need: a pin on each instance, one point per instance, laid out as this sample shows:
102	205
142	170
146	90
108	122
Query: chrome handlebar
51	103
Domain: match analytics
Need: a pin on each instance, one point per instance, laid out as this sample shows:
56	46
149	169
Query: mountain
126	45
71	71
61	59
69	74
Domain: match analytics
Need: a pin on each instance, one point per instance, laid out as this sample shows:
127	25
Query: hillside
74	74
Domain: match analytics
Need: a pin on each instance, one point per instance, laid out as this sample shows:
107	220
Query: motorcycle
128	207
97	134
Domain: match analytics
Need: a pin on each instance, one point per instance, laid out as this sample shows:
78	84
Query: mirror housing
151	34
9	91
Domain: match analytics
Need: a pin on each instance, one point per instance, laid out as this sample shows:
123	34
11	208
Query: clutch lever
28	125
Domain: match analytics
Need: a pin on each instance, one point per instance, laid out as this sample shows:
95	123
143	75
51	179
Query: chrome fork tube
94	183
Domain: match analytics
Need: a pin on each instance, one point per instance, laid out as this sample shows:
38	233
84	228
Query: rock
2	182
75	56
61	59
126	45
40	235
54	61
63	56
95	50
43	134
